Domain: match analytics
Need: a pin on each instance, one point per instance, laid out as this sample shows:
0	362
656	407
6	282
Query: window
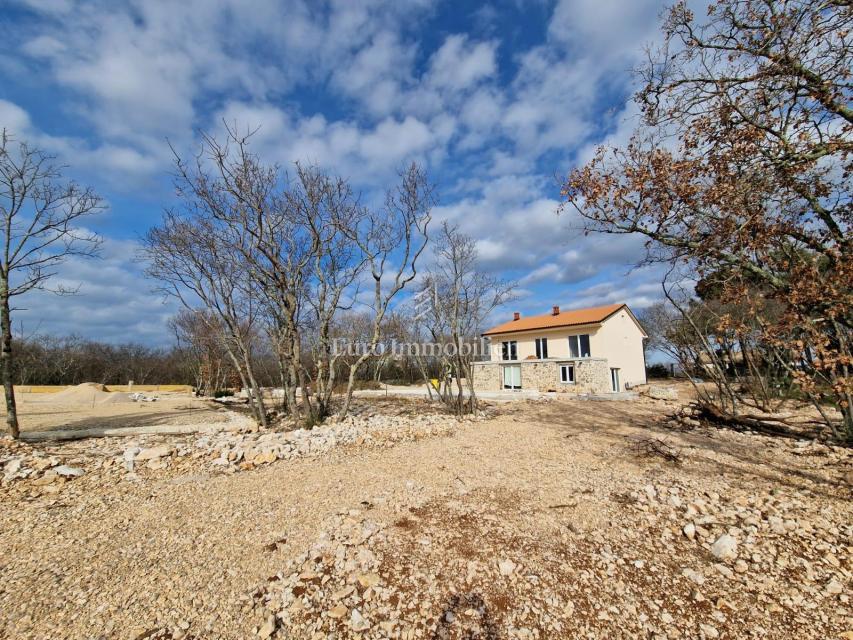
509	350
567	373
579	346
541	348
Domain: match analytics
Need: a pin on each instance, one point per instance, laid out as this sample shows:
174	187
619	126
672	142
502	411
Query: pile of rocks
332	588
48	465
767	555
247	450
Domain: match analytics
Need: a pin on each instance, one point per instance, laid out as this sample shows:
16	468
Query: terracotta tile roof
592	315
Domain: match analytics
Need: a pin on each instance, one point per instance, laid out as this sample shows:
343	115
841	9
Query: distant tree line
69	360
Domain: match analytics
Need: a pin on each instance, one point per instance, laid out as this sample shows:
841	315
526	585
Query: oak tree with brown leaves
741	172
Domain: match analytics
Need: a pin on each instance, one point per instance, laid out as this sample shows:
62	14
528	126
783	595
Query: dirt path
185	552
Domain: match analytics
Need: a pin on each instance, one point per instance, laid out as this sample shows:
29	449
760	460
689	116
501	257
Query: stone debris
644	578
223	452
68	472
658	392
725	547
151	453
506	567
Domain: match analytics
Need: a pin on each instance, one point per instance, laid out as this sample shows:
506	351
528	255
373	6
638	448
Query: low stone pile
334	587
247	450
768	555
49	465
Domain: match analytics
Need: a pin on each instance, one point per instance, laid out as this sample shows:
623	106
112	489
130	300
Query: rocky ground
552	519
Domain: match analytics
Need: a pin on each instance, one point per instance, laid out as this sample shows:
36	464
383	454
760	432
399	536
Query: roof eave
490	333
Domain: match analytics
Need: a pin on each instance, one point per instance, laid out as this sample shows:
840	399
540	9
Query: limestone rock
268	628
337	612
68	472
725	547
506	567
151	453
357	621
658	392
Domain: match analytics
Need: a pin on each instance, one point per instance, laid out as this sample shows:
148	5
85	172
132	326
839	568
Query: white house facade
583	351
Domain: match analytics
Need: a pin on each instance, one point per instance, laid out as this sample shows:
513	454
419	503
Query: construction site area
92	407
170	516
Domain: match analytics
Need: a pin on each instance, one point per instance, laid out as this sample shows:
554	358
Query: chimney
516	316
555	310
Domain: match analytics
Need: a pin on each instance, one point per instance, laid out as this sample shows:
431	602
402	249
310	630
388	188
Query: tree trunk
244	382
7	368
256	396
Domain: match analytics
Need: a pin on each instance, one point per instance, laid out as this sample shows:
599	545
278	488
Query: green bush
657	370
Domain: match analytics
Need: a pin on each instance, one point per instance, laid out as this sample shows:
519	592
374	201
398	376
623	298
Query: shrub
657	370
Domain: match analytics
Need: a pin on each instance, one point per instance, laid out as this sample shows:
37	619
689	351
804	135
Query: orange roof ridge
590	315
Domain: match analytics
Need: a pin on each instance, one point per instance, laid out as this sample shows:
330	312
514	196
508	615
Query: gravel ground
545	521
41	412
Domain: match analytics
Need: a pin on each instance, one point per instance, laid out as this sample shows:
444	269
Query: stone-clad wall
592	375
488	376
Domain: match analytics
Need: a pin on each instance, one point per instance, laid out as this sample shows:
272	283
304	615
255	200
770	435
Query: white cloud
604	29
156	69
376	72
51	6
548	271
352	87
114	302
368	156
14	119
114	164
459	64
639	289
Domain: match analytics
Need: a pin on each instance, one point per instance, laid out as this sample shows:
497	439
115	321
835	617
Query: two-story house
595	350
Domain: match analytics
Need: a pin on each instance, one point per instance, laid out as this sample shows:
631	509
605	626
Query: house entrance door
512	377
614	379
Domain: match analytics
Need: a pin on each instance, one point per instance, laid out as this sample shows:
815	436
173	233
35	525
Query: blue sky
494	99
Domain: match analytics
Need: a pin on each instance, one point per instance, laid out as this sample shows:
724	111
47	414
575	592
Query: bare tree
195	264
40	213
325	208
391	240
460	297
198	336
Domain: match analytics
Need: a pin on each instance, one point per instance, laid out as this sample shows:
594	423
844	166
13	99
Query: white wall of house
620	340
